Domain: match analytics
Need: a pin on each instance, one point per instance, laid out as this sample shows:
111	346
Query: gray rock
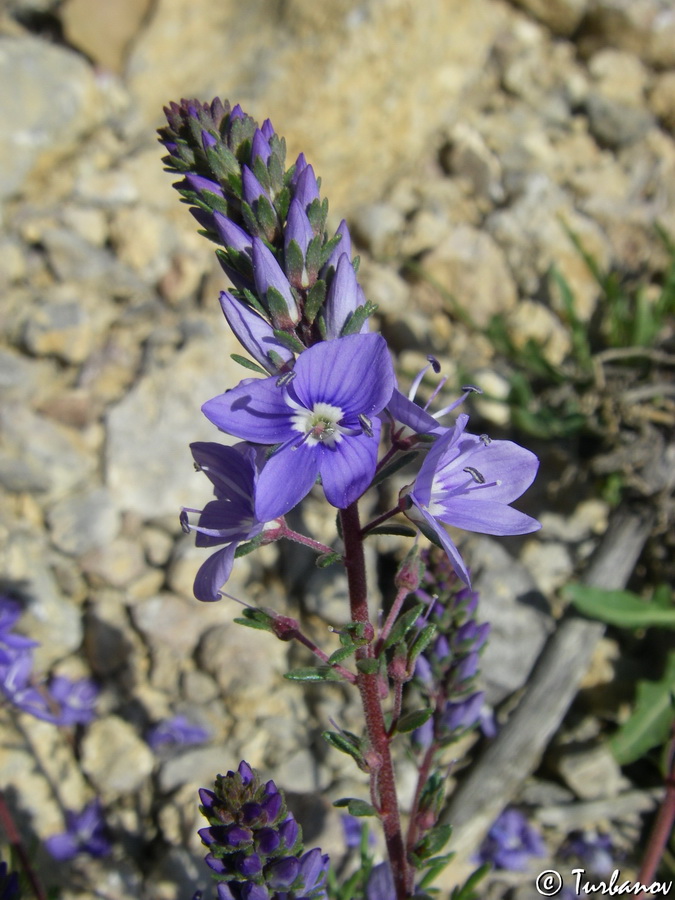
114	757
591	773
616	124
198	767
82	522
52	104
148	432
520	622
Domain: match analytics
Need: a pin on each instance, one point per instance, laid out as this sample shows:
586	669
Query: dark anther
435	365
472	389
366	424
184	523
285	379
197	467
475	474
486	439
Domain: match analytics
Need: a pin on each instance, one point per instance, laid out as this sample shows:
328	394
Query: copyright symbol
549	883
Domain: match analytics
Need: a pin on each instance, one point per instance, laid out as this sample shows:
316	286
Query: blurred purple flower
76	699
469	482
380	884
177	731
85	832
511	842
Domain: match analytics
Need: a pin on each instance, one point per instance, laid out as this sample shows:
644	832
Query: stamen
435	365
366	424
475	474
418	378
285	379
471	389
184	522
439	387
486	439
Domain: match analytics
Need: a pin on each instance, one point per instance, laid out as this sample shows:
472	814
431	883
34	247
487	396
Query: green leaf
357	318
356	807
403	625
398	463
315	300
313	673
412	720
342	653
248	363
256	618
432	843
422	641
651	720
248	547
467	890
288	340
368	666
434	868
327	559
347	743
620	608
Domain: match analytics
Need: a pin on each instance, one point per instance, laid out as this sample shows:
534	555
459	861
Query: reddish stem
663	826
383	769
14	839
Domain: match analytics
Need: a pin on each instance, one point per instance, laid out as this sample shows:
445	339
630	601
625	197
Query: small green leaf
355	321
248	547
248	363
256	618
432	842
328	559
651	720
620	608
412	720
403	625
313	673
347	743
422	641
356	807
434	868
368	666
342	653
288	340
467	890
315	300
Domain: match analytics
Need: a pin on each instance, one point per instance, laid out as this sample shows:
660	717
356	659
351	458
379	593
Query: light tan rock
103	30
561	16
358	87
114	757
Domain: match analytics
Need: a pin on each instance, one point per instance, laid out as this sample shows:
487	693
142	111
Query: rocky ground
462	141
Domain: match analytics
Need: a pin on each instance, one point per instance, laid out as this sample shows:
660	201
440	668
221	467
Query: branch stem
383	783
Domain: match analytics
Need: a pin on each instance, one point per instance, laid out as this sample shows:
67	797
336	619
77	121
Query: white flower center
320	424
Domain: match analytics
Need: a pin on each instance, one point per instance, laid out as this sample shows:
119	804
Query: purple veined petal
231	470
344	246
342	297
267	840
253	332
305	188
353	373
286	479
486	517
464	713
224	892
348	468
510	466
255	410
231	234
225	521
250	891
252	190
216	864
249	865
448	545
408	413
289	831
297	227
260	146
206	798
61	847
443	448
272	804
213	574
268	273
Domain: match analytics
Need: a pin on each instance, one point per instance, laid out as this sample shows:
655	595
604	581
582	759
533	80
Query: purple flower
85	833
344	296
322	417
16	683
177	731
230	518
380	883
511	842
272	286
469	481
77	700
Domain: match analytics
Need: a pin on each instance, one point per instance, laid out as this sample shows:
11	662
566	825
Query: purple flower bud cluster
511	842
255	844
62	702
177	731
448	668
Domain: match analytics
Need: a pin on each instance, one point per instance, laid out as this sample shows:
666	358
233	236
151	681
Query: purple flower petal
214	573
256	410
347	469
253	333
343	297
288	476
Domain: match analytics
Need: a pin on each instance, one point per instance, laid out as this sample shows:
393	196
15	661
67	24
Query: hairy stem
382	769
14	839
663	825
